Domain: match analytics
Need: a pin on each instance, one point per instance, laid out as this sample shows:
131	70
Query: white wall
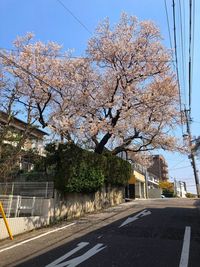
70	206
22	224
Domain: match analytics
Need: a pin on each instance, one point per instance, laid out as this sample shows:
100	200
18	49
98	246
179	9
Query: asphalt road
152	233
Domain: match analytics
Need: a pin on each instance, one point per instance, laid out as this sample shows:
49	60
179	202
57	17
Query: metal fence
18	206
33	189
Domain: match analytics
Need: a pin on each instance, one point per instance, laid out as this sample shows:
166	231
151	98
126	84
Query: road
156	233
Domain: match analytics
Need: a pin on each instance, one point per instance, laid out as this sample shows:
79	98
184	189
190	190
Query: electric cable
74	16
168	25
177	70
28	72
182	51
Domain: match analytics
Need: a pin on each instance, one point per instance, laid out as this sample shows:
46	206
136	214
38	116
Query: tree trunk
99	148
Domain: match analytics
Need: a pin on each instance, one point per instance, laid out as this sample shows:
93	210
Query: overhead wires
74	16
176	60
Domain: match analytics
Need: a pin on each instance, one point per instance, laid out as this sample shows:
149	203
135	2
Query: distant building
159	168
34	139
180	189
136	187
142	183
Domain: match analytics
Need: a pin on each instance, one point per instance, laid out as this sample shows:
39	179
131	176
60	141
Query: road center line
36	237
185	248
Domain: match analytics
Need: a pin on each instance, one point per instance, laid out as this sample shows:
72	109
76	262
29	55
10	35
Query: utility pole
175	187
191	156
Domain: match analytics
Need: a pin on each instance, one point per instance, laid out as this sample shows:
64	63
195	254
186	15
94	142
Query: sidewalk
83	223
86	223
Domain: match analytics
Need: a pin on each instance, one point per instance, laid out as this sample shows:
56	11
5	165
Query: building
143	183
180	189
154	190
136	187
159	168
34	139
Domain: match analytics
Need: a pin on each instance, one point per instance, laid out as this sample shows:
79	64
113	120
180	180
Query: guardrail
17	206
36	189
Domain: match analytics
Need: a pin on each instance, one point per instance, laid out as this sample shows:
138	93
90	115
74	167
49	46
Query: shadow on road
197	203
143	242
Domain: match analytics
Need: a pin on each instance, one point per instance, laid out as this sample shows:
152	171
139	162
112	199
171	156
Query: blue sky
49	20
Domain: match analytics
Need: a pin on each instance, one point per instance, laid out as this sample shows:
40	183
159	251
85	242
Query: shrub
118	171
79	170
190	195
86	180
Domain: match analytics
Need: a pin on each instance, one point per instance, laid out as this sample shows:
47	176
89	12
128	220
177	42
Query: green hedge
79	170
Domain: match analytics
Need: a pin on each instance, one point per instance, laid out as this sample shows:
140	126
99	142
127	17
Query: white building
180	189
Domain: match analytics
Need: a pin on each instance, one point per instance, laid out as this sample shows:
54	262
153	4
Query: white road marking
77	260
136	217
129	220
185	248
67	255
145	213
36	237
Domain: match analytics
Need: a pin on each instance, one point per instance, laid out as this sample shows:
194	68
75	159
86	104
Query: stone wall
73	205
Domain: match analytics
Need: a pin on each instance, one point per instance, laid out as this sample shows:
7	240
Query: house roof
21	125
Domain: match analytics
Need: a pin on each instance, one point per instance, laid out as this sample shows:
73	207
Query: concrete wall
154	192
72	205
22	224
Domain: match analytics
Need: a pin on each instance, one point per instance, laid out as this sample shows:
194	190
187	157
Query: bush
190	195
168	193
118	171
86	180
79	170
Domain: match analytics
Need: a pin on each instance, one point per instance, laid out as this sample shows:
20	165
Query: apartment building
159	167
34	139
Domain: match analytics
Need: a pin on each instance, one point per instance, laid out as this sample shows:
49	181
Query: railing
139	168
33	189
153	179
17	206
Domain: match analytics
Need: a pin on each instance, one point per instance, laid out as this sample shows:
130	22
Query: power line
176	59
36	53
192	45
178	163
75	17
72	57
182	49
168	26
184	167
27	71
191	48
190	59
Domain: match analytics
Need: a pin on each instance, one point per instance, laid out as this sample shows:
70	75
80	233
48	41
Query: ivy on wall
79	170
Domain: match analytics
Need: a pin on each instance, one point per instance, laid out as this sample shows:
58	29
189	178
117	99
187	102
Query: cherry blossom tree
126	97
11	139
24	89
34	67
123	95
